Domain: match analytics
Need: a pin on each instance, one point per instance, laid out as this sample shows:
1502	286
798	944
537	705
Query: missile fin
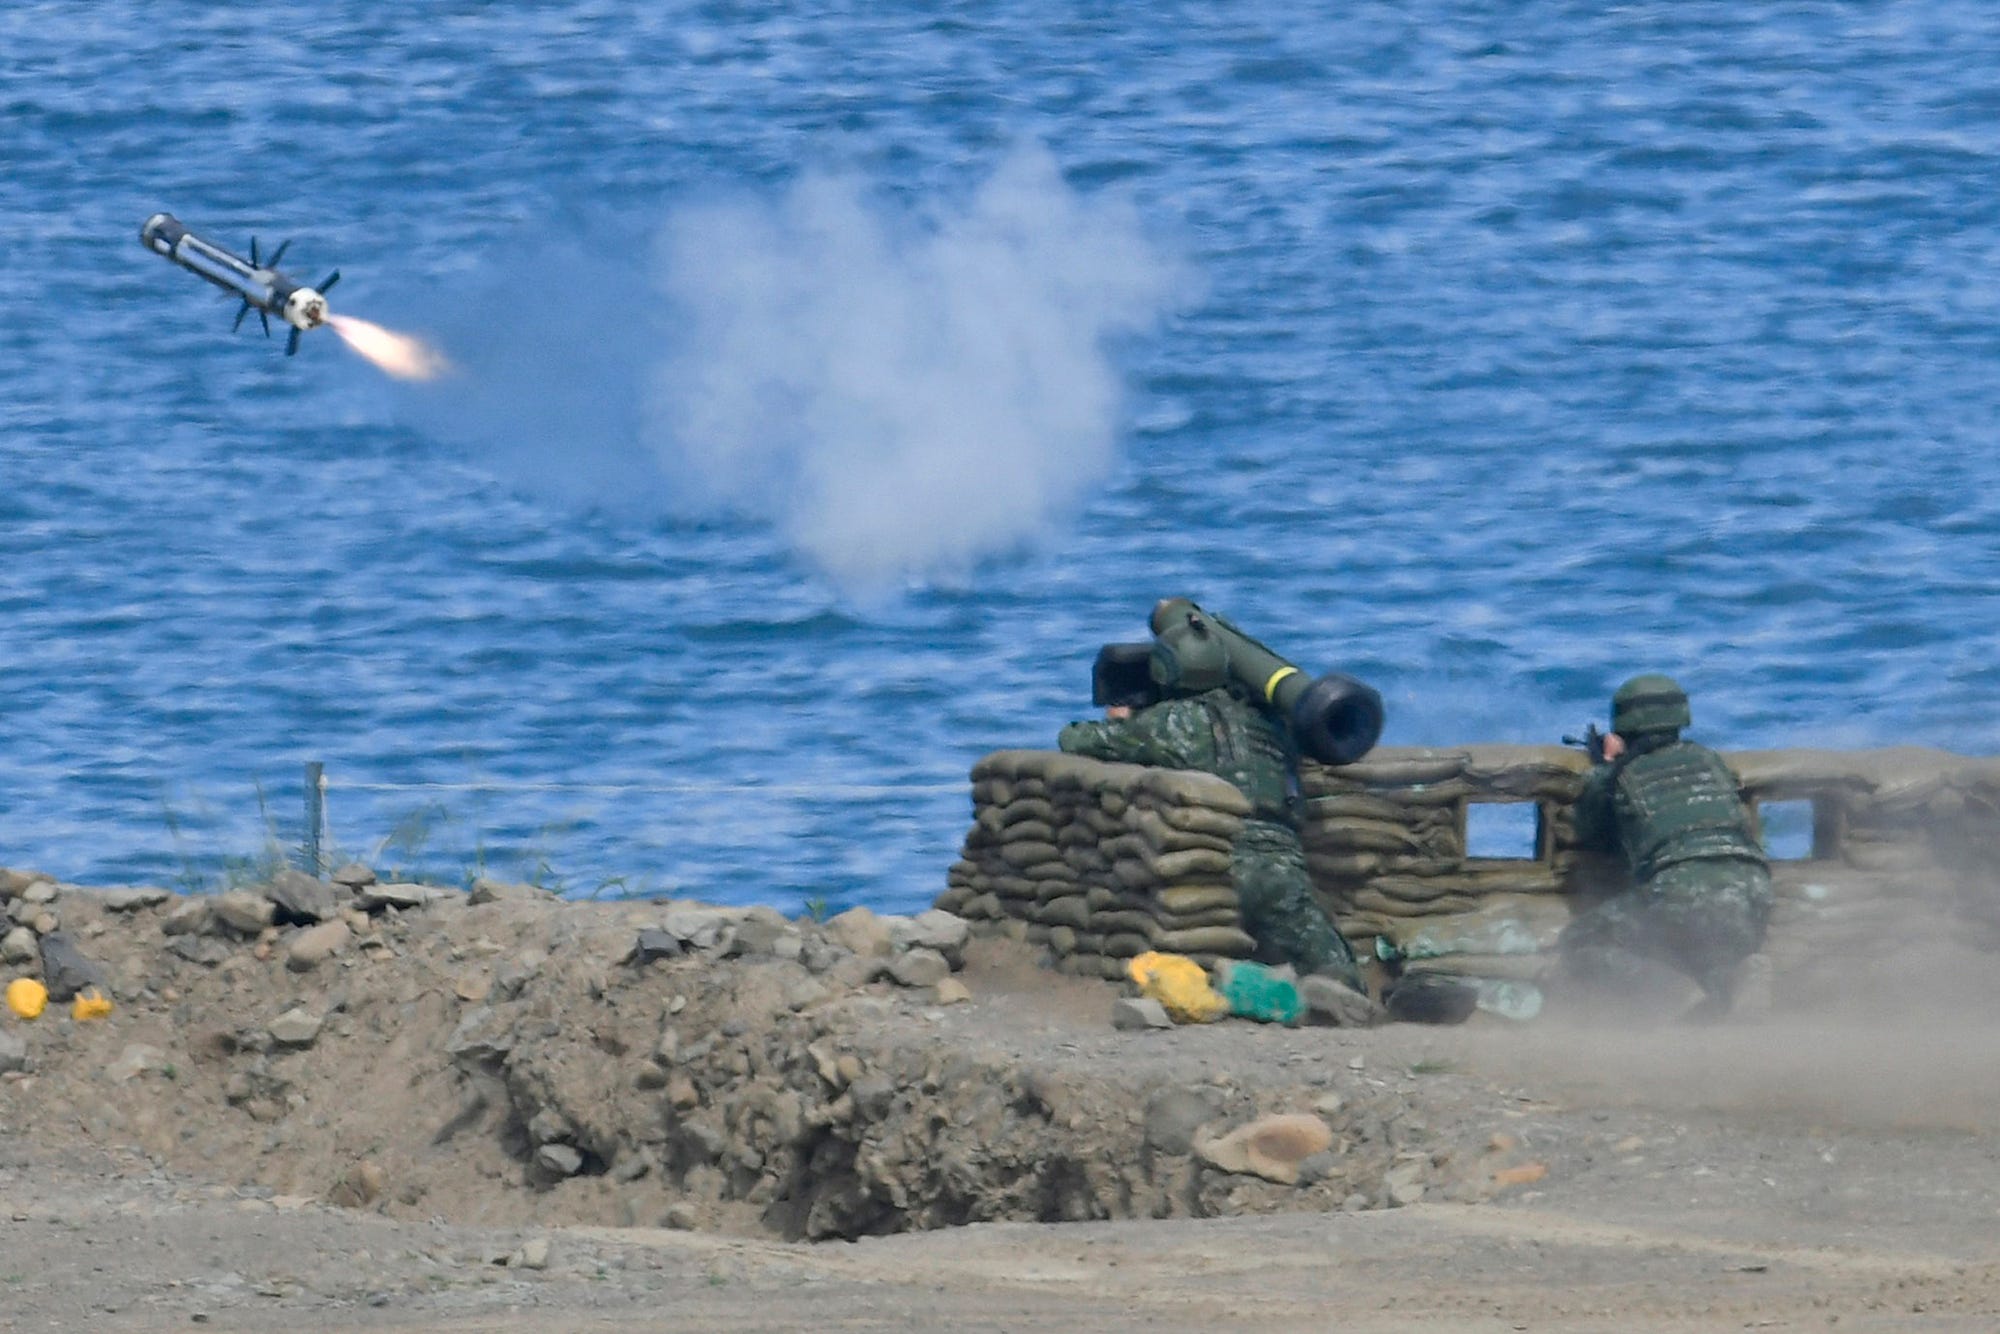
278	254
331	279
237	323
265	316
253	254
292	344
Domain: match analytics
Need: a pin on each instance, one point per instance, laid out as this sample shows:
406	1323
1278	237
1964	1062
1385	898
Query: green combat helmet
1650	703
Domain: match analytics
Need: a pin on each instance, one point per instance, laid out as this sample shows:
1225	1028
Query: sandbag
1398	767
1160	837
1185	899
1029	831
1132	873
1026	854
1221	940
1194	921
1035	810
1202	820
1126	944
1188	787
1194	864
1114	921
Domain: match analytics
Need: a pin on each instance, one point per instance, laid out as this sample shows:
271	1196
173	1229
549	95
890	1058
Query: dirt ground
408	1167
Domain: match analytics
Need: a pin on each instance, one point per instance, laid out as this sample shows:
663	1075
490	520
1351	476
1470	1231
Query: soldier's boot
1751	998
1329	1000
1741	994
1432	998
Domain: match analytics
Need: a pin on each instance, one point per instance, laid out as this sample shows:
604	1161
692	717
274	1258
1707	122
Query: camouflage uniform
1218	733
1702	889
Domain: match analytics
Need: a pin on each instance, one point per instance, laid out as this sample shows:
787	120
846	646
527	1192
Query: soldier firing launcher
1336	718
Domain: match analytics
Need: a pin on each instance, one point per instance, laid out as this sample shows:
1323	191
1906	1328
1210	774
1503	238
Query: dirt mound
505	1056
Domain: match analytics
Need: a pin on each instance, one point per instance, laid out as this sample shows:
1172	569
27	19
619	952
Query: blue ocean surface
830	380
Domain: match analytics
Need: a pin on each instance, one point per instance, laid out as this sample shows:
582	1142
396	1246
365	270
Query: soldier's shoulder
1695	750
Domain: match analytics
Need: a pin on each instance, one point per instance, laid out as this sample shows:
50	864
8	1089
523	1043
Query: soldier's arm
1595	815
1147	737
1113	739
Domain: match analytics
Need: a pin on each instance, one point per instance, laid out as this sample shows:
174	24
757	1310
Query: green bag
1257	992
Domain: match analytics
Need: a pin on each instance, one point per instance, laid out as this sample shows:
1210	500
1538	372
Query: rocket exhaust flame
400	355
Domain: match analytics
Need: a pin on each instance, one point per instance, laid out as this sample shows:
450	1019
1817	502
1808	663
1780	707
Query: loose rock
933	929
558	1160
503	891
654	943
919	968
1133	1012
137	1059
131	900
1332	1002
300	900
199	949
296	1027
316	944
861	932
1173	1116
188	917
359	1186
1271	1147
401	896
242	911
65	970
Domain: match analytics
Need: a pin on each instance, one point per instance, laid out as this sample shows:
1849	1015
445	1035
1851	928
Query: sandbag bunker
1464	861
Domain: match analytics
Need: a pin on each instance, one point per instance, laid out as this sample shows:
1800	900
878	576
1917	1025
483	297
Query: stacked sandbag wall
1386	842
1099	862
1897	863
1902	864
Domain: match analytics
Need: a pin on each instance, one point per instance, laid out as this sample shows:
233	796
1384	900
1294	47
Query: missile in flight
255	281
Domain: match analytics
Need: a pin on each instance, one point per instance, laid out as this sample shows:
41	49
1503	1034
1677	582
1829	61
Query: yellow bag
1180	985
27	997
90	1004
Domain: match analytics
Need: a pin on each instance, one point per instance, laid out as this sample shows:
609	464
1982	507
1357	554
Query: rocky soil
503	1055
406	1106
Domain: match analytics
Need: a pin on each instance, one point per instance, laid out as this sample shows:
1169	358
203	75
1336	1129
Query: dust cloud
1909	1040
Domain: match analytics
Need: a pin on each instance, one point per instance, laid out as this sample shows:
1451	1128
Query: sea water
831	380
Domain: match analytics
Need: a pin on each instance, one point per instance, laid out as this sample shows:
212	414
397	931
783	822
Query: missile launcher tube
1336	718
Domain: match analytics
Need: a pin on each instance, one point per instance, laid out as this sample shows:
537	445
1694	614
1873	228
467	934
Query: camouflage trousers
1275	894
1703	917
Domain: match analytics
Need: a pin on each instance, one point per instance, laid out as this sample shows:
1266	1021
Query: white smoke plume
903	400
901	393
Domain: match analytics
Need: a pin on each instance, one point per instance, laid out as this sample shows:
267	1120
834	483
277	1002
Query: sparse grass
422	843
817	908
1431	1066
410	836
231	870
